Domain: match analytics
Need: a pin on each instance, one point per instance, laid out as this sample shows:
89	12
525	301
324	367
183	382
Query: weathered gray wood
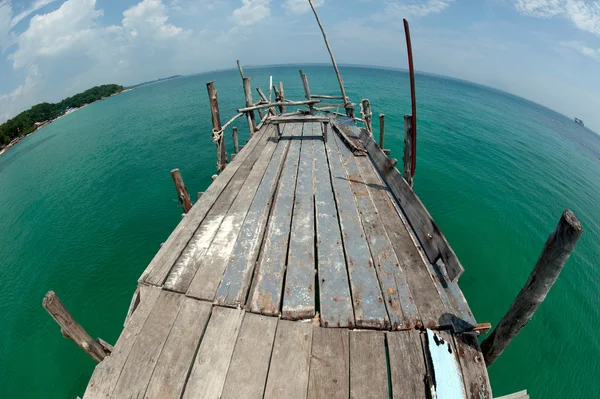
182	194
334	288
161	264
214	355
218	137
443	364
474	372
239	65
70	328
236	280
249	103
299	118
282	97
212	265
276	104
177	355
307	91
106	373
431	238
353	142
382	131
407	365
408	155
516	395
135	301
365	105
394	287
290	361
192	257
327	97
144	354
264	98
299	292
369	309
329	364
236	144
424	294
247	375
267	293
555	254
368	365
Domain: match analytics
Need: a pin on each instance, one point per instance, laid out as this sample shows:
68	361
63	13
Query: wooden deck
299	234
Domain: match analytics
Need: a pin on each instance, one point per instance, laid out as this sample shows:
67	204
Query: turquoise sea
86	201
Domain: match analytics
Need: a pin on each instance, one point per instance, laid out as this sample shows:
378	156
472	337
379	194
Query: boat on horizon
579	121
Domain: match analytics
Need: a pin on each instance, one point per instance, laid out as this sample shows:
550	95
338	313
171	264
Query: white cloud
300	6
585	15
415	8
583	49
8	21
33	8
251	12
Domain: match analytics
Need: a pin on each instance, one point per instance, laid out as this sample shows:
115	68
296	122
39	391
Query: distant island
40	115
153	81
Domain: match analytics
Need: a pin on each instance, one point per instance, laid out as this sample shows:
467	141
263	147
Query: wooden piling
307	91
555	254
408	146
240	69
365	106
264	98
236	144
249	103
282	97
182	193
218	137
71	329
381	131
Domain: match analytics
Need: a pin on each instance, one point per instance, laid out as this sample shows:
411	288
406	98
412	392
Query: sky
547	51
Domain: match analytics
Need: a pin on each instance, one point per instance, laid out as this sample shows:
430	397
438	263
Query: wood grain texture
329	364
474	370
107	373
369	308
176	358
334	288
144	354
394	287
214	356
290	361
247	375
407	365
236	279
299	290
160	266
368	365
267	291
212	266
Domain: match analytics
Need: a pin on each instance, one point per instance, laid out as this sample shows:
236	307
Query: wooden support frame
269	105
367	115
408	147
307	91
182	192
236	144
218	137
249	112
382	131
265	99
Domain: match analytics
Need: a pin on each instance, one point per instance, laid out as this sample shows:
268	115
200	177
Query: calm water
86	202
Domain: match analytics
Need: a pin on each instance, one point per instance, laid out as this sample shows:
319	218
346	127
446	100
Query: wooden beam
555	254
71	329
290	103
408	146
182	193
282	97
365	106
381	131
217	128
327	97
249	104
265	99
307	91
236	144
240	69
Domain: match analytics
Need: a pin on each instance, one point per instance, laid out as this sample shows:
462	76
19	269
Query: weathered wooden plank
266	295
517	395
161	264
178	353
398	298
329	364
368	365
369	309
210	271
247	375
433	241
334	288
472	364
299	292
236	278
140	364
447	375
423	290
214	356
290	361
107	373
190	260
407	365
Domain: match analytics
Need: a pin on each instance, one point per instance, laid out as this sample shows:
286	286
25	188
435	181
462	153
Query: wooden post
218	137
349	108
555	254
307	91
381	131
264	98
413	99
278	99
182	193
365	105
282	96
240	69
236	144
249	103
71	329
408	146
